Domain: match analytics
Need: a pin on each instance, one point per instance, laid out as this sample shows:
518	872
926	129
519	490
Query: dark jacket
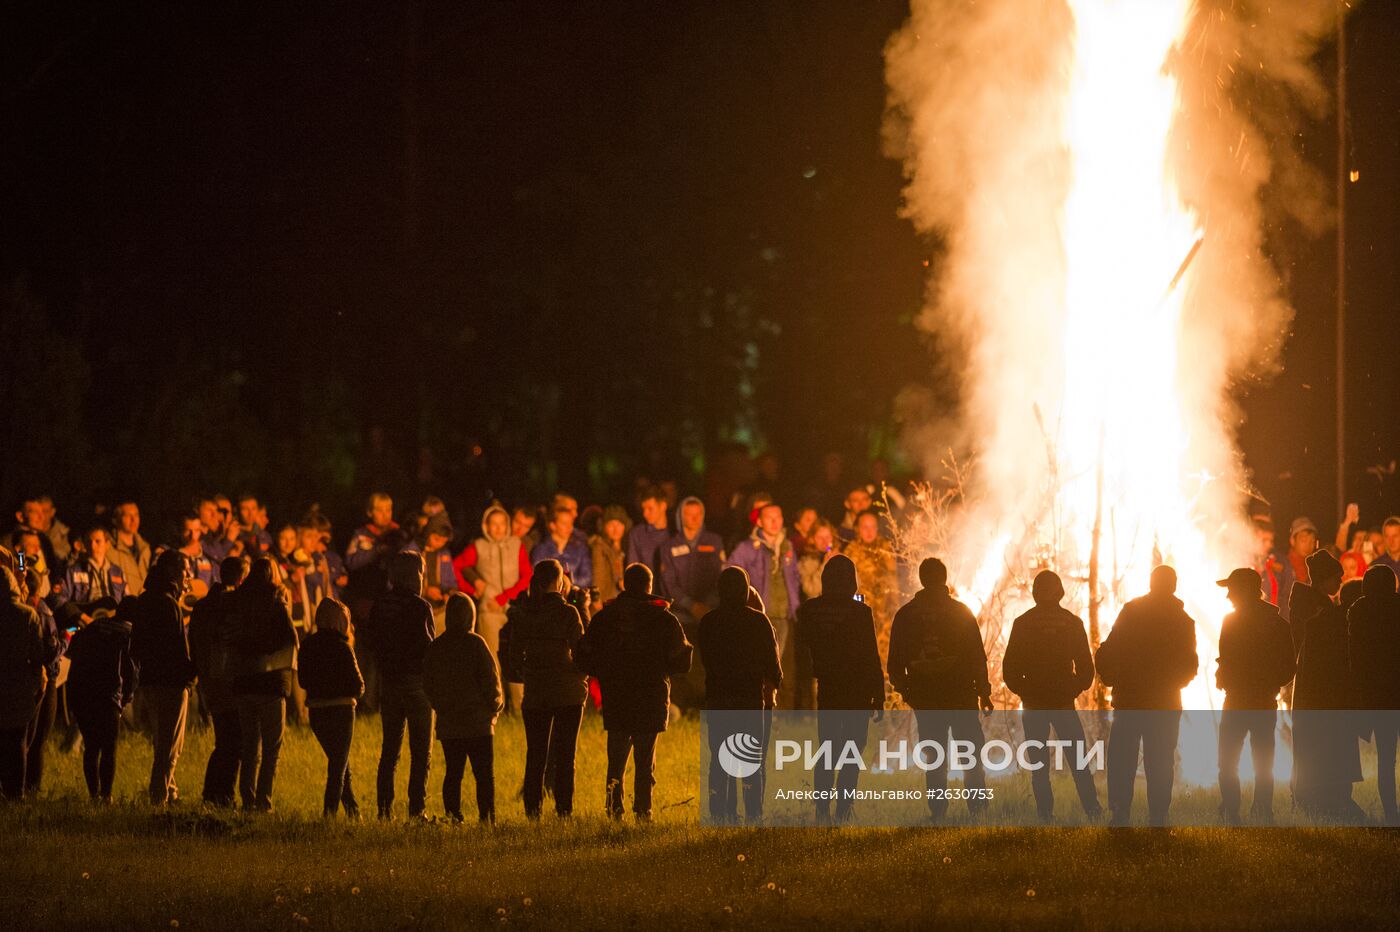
213	626
158	642
690	568
463	682
1303	603
398	631
937	660
838	634
1373	624
1323	679
739	651
22	655
1150	655
1256	656
544	629
327	669
265	641
1047	661
633	645
102	671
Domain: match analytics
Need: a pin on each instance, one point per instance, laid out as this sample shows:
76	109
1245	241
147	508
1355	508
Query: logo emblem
741	755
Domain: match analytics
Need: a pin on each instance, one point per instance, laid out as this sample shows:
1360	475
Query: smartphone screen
858	597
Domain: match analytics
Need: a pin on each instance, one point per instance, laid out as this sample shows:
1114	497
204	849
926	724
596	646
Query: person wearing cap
645	540
1048	664
736	644
1326	757
162	656
634	646
938	663
212	630
1255	662
439	578
609	552
1147	659
101	682
1302	542
1374	658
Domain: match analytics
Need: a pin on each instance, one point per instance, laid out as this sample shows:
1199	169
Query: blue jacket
756	558
437	569
203	568
325	584
690	568
81	579
643	542
576	557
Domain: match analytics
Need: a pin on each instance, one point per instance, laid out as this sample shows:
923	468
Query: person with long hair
333	685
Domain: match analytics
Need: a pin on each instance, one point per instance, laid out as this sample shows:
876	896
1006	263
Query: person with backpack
463	681
634	645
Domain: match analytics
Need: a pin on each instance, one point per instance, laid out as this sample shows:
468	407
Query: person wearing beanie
633	646
331	677
1048	664
837	631
1256	661
739	653
463	681
399	629
101	682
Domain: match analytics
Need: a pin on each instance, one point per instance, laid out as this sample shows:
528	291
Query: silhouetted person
838	633
213	627
464	684
400	629
939	666
266	645
1326	754
1255	662
633	646
1047	663
739	651
540	639
22	680
331	677
1374	647
101	681
1148	658
162	656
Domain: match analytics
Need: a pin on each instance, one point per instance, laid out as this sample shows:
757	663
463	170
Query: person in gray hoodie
463	681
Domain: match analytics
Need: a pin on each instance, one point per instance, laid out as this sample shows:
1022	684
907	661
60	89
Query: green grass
68	864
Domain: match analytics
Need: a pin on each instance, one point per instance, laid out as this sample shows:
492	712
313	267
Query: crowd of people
551	612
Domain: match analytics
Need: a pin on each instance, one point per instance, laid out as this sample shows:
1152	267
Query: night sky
501	247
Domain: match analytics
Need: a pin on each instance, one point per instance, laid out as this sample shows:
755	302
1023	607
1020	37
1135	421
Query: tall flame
1103	281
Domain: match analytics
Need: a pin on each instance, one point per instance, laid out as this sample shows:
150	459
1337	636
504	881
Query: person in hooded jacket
1256	661
609	554
22	681
101	682
1047	664
399	629
1373	625
162	655
837	631
333	683
212	631
265	645
739	651
1147	659
939	665
495	569
633	647
689	566
463	680
540	637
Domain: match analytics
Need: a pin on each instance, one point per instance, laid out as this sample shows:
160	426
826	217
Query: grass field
67	864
